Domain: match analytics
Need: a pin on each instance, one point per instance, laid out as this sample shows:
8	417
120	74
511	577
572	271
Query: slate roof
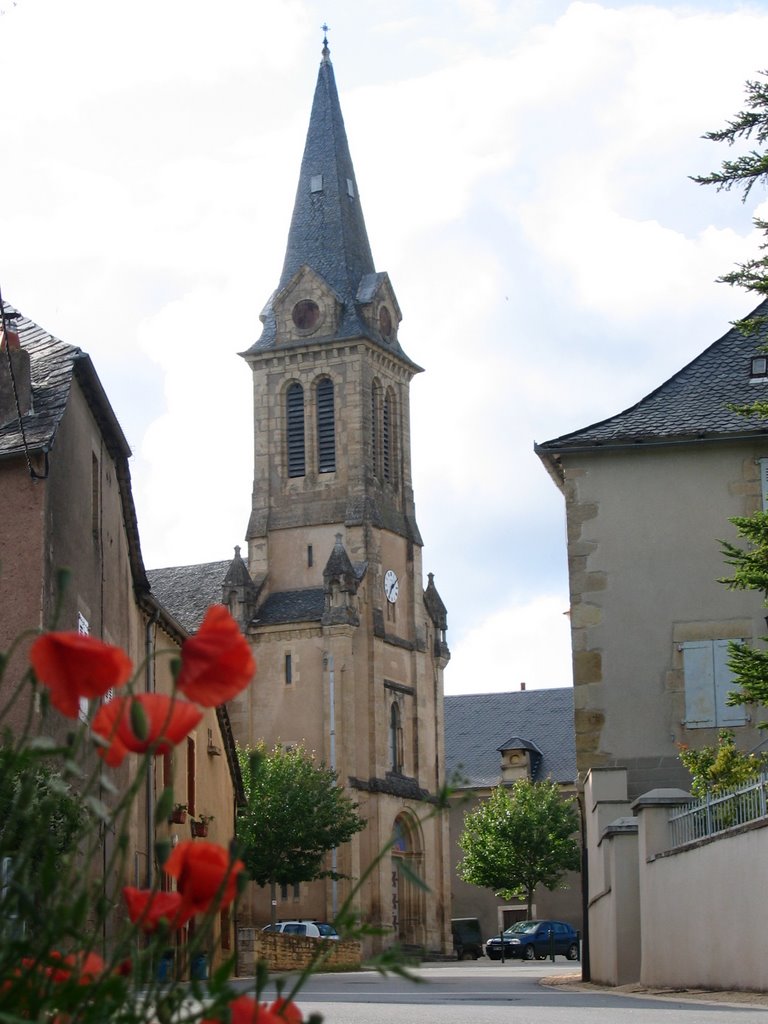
305	605
327	231
53	364
188	590
478	725
693	405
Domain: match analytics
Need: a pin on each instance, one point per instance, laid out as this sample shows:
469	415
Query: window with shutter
294	419
708	681
326	427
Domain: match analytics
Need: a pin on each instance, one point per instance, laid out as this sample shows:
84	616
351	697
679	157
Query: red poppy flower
286	1010
204	873
73	665
84	969
216	663
166	722
245	1010
149	908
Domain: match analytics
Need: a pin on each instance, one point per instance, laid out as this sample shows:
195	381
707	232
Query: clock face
391	586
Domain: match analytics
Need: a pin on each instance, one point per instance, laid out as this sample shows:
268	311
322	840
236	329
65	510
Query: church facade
350	645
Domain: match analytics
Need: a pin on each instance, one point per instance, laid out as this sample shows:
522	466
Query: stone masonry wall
290	952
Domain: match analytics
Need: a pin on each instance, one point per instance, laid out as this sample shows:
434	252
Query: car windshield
327	930
521	926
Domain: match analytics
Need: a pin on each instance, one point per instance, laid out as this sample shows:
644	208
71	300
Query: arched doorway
408	906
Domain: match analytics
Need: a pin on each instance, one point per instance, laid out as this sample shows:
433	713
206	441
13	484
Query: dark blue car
529	940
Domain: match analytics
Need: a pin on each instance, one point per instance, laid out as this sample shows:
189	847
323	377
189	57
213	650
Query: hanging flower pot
178	814
200	828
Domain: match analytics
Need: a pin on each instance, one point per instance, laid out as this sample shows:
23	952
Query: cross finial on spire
326	51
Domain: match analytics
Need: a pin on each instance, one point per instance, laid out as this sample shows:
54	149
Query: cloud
521	642
524	174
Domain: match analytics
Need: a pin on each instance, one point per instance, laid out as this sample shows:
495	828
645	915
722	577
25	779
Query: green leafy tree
716	769
520	838
296	812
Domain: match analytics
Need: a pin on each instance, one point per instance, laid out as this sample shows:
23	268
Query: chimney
15	375
522	686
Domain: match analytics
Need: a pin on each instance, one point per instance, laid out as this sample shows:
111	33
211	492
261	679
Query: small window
350	188
316	183
759	367
708	681
191	775
95	495
395	739
84	629
310	556
225	928
288	670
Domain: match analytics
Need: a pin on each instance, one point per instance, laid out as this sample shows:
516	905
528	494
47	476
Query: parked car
467	938
311	929
528	940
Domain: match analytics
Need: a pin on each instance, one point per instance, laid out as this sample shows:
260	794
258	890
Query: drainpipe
150	780
332	755
586	969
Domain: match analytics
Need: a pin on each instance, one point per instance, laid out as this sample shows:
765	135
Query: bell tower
350	646
331	381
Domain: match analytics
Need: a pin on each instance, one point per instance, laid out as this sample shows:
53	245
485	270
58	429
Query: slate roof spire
327	230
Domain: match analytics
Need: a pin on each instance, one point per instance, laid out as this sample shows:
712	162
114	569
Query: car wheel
529	953
572	953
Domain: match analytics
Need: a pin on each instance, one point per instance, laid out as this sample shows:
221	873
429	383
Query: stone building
494	739
350	645
66	503
648	492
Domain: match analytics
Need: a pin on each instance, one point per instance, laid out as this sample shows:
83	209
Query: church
350	644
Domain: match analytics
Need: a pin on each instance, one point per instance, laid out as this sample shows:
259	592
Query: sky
524	170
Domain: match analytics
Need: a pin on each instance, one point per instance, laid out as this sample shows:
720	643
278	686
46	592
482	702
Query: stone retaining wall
290	952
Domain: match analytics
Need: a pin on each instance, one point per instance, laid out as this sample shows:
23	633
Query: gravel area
706	995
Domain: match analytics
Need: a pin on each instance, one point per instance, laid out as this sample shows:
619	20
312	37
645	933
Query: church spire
327	230
327	236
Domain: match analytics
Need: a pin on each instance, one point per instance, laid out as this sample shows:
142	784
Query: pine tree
750	565
744	173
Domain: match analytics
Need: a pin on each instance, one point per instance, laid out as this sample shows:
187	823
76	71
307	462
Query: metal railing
719	812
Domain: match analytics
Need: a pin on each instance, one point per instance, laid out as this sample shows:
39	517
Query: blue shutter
708	681
724	683
698	669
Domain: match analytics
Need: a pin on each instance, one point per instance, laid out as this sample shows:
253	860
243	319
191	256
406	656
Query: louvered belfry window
294	417
386	437
374	431
326	427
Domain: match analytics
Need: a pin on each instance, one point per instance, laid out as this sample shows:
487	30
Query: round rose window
306	314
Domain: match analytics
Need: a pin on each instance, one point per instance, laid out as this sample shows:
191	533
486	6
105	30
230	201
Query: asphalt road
495	993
